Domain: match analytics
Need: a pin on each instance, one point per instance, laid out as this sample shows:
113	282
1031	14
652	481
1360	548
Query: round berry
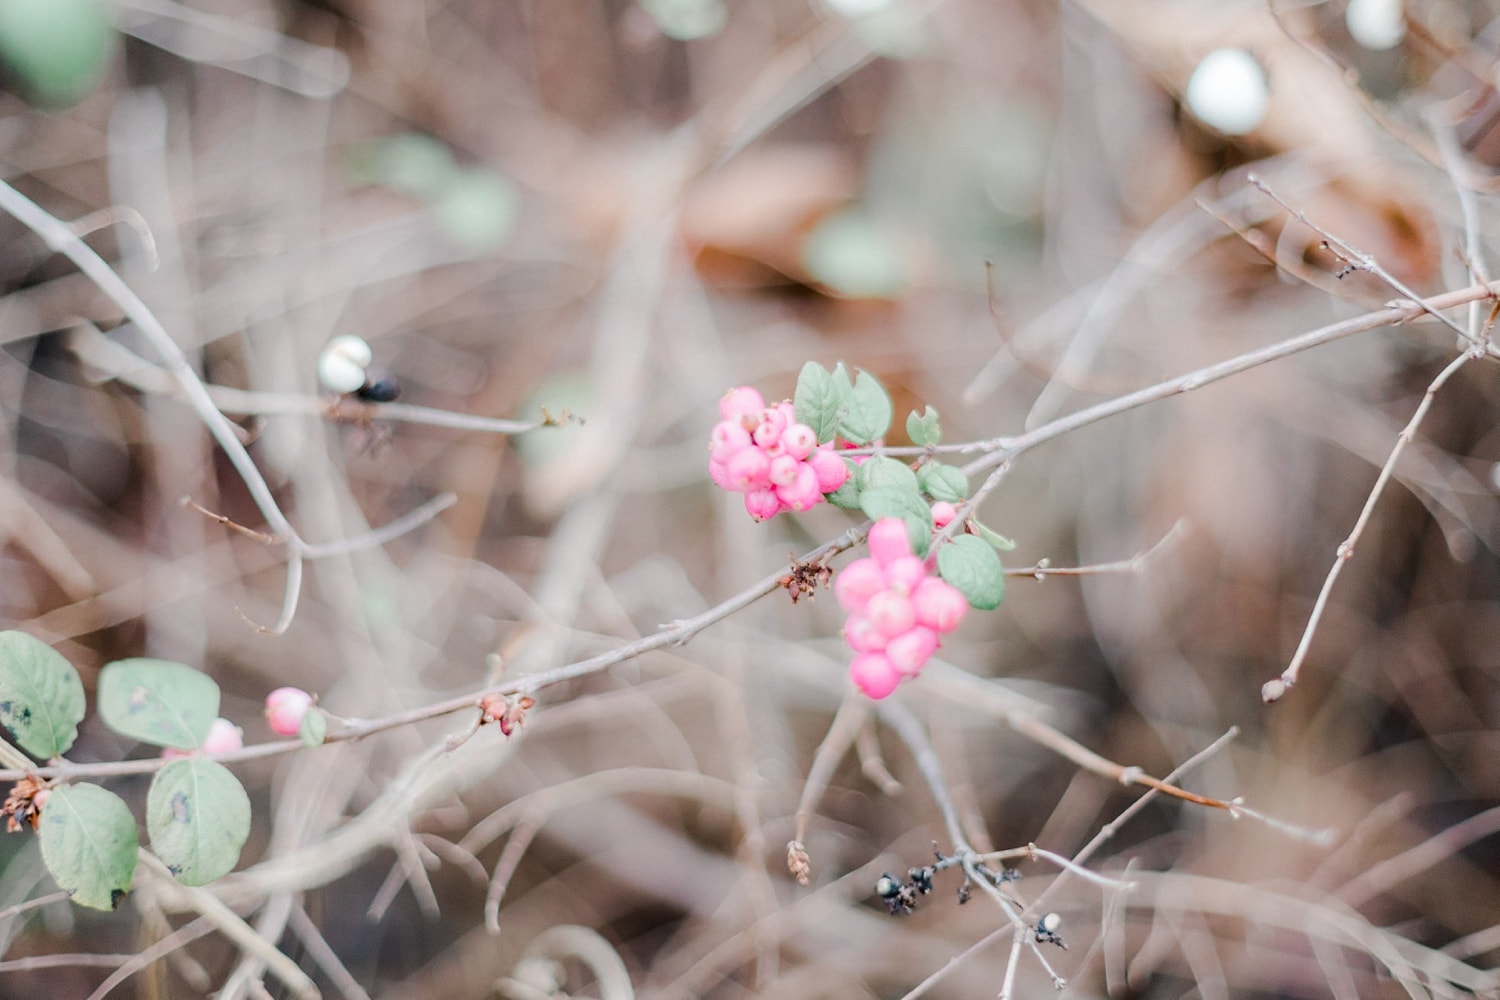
889	541
223	736
873	674
831	470
799	440
905	573
802	493
738	402
909	651
939	605
285	708
749	469
890	612
943	514
862	637
762	504
855	584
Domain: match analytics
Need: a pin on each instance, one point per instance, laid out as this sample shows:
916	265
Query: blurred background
617	210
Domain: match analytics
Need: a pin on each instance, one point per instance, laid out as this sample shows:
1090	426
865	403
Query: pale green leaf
198	816
158	702
41	697
89	844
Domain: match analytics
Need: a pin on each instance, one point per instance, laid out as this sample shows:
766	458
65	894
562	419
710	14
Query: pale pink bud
738	402
855	584
762	504
862	636
939	605
223	736
905	573
802	494
908	652
890	612
873	674
749	470
831	470
943	514
285	708
799	440
889	541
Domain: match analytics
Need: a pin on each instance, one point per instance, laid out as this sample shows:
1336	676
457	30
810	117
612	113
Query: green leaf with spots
923	428
970	564
821	398
943	482
89	844
41	697
198	816
868	416
894	501
158	702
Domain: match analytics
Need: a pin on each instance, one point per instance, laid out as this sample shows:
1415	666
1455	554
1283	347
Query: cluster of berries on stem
897	610
764	453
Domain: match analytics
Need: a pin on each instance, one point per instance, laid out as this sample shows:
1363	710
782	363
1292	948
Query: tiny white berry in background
285	708
1228	91
1376	24
1050	923
341	366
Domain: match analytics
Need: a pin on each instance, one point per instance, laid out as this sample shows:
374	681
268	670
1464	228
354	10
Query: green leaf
56	50
870	410
89	844
158	702
924	429
971	565
198	816
477	209
856	257
879	471
314	728
893	501
993	537
41	697
943	482
820	400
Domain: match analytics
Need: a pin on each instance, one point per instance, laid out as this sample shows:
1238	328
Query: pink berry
939	605
890	613
803	493
223	736
799	440
749	470
831	470
889	541
943	514
873	674
855	584
772	425
720	476
908	652
905	573
728	434
738	402
285	708
862	636
784	470
762	504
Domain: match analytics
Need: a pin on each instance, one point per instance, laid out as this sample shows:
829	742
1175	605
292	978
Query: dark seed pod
380	387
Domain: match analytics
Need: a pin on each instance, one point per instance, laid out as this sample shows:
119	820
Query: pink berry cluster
896	611
762	452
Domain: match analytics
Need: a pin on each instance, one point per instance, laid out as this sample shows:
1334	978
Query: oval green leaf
893	501
820	400
89	844
879	471
846	497
869	414
314	728
923	428
41	697
198	816
158	702
971	565
943	482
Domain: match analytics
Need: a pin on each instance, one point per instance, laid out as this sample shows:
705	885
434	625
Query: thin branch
1274	689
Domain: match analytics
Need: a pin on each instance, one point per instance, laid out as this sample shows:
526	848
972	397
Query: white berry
341	366
1375	24
1228	91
